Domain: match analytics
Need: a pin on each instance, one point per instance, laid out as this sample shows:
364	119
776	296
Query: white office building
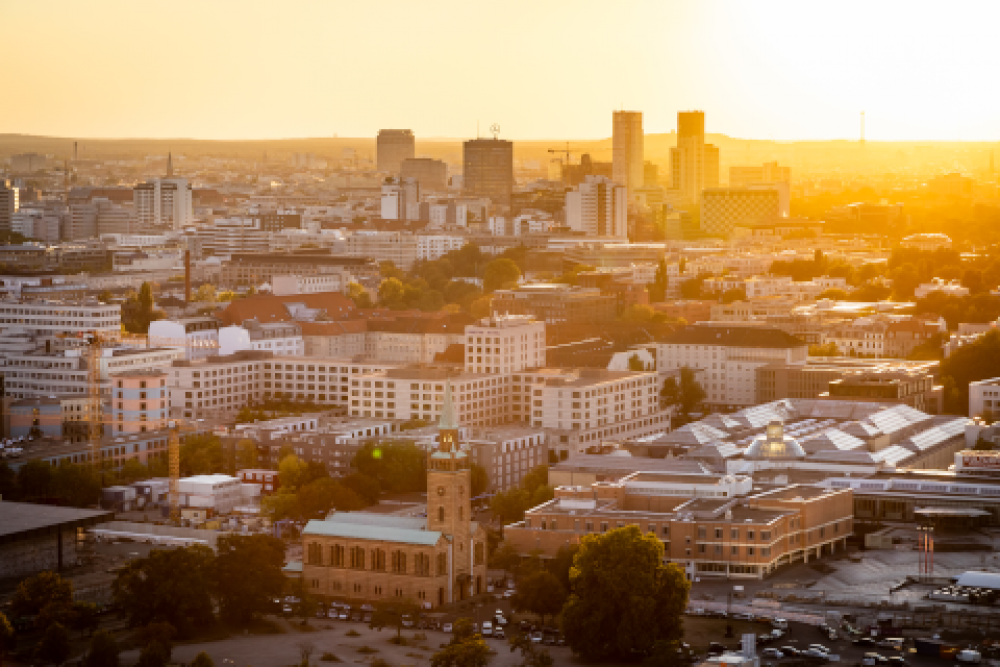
598	207
48	318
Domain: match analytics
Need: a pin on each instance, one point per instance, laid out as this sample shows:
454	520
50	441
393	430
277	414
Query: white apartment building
598	207
519	226
504	344
280	338
759	287
48	318
399	195
581	408
164	201
863	337
396	247
984	396
728	356
436	246
196	337
224	236
327	282
38	374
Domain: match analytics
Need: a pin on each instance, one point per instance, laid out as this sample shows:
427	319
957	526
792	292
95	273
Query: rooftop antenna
495	129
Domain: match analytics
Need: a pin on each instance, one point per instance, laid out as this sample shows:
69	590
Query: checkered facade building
723	208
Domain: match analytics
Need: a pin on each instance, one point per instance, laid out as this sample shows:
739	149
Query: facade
711	526
946	287
627	146
507	454
430	174
139	401
504	344
584	407
433	561
556	303
292	284
392	147
215	387
436	246
722	209
55	317
402	249
984	398
694	165
728	355
164	202
9	205
488	169
244	269
598	207
400	199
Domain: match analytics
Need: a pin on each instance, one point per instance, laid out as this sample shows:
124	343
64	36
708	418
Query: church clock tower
449	498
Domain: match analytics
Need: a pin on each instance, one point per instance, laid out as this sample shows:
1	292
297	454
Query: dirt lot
699	631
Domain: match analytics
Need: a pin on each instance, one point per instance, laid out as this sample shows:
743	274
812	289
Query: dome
774	444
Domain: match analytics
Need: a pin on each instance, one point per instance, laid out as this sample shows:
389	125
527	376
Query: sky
541	69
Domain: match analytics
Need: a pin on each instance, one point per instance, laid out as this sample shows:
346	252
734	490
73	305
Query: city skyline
772	70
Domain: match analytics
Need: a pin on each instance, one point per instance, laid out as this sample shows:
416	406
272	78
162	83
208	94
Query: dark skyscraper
488	169
394	146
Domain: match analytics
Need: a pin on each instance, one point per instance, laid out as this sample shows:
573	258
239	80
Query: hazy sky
541	69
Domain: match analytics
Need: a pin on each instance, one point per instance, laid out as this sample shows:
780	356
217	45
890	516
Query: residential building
48	318
436	246
164	202
400	248
504	344
627	147
292	284
722	209
281	338
139	401
580	408
694	165
555	303
598	207
216	387
710	525
952	287
728	356
9	205
984	398
400	199
438	560
488	169
245	269
507	454
392	147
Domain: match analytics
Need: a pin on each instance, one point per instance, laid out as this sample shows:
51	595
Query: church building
366	556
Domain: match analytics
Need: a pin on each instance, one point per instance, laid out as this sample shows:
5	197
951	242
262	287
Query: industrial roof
19	521
979	580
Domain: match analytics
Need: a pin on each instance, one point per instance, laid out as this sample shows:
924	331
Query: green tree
506	557
291	470
160	633
317	498
658	288
103	651
202	455
247	575
480	480
398	467
202	660
540	593
153	655
977	361
390	613
172	586
827	350
34	479
736	294
44	591
466	649
535	478
205	294
500	273
246	454
509	506
481	307
105	296
624	597
7	638
358	295
83	617
637	313
670	394
691	288
146	303
692	393
635	363
54	647
531	655
391	293
563	563
367	488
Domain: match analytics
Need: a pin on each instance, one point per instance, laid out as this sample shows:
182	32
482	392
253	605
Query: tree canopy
624	597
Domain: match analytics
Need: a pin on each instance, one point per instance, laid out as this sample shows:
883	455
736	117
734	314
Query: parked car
286	608
446	627
509	593
864	641
820	647
873	659
743	617
333	614
487	630
791	651
407	621
715	648
816	653
536	637
499	634
772	653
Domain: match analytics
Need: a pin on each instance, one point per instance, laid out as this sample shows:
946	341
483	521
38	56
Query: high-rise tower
694	165
394	146
488	169
627	149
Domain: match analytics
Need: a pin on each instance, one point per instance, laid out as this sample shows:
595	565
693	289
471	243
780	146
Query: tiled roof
273	308
732	336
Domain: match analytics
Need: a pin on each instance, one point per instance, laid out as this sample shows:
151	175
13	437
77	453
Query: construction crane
94	343
567	152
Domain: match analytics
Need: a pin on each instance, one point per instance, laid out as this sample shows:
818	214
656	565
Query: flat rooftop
21	521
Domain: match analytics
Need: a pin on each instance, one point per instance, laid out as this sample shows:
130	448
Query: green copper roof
333	528
448	420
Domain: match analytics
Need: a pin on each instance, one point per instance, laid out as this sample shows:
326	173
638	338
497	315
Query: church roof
333	528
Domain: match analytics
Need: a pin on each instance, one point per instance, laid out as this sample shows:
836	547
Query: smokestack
187	276
76	155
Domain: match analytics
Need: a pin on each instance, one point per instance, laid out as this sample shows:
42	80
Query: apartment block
504	344
555	303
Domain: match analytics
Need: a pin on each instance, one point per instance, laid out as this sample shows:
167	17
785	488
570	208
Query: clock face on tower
440	490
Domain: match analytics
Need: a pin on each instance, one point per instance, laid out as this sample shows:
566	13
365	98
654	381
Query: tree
391	293
500	273
536	477
172	586
43	591
358	295
466	649
624	597
54	647
658	288
506	557
736	294
7	638
691	288
398	467
481	307
247	575
246	454
977	361
153	654
317	498
635	363
637	313
692	393
390	613
670	394
201	455
540	593
563	563
105	296
205	293
827	350
480	480
83	617
306	647
202	660
34	479
146	303
161	633
103	651
531	655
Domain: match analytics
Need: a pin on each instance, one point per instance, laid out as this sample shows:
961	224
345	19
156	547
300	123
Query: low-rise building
556	303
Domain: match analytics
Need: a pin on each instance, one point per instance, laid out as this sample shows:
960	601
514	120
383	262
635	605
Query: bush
353	633
379	662
398	641
419	637
329	657
367	649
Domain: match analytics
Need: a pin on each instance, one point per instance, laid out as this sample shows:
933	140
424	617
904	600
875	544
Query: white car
816	653
536	637
772	653
446	628
487	630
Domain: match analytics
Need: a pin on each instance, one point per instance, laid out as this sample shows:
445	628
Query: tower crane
566	151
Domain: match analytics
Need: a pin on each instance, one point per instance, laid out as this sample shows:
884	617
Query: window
718	533
358	558
441	515
442	564
399	562
477	553
337	556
